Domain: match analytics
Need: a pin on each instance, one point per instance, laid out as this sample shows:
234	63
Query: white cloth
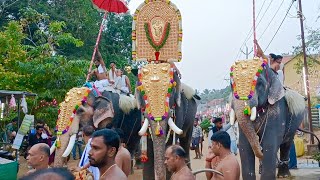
120	83
85	160
112	76
233	132
101	69
101	85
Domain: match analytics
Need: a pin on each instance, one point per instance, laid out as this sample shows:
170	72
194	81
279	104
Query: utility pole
247	52
306	70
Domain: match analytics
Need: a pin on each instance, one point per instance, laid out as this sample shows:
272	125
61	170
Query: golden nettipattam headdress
157	32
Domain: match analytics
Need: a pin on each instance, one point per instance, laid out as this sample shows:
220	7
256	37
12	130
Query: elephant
276	114
181	99
99	110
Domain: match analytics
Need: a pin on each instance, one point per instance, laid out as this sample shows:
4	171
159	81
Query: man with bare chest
221	159
175	160
123	157
104	147
100	72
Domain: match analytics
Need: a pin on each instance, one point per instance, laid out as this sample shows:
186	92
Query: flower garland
59	133
140	87
253	85
163	40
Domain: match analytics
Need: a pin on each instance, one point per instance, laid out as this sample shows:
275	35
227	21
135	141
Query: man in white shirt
84	161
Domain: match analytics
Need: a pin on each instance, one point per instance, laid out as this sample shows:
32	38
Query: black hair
273	56
88	130
223	138
112	62
45	149
179	151
218	119
120	133
15	119
38	127
279	57
64	174
110	137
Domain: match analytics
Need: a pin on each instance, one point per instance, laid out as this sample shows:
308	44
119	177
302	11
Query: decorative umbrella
114	6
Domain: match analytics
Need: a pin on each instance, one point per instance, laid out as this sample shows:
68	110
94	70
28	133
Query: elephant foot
283	170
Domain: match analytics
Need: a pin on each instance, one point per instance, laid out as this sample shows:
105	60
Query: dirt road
305	173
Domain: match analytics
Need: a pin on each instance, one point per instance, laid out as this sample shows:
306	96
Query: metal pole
306	70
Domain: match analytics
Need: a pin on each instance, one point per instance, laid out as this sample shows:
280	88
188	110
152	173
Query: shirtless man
221	159
123	157
104	147
38	157
100	72
175	161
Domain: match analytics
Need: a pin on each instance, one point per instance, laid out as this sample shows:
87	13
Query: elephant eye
80	110
145	71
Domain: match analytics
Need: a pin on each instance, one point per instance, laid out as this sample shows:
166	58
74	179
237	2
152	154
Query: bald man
50	174
38	157
175	160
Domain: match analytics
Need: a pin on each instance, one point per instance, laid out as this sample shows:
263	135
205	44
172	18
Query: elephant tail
308	132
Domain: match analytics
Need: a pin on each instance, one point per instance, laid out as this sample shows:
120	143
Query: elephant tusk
53	147
174	127
253	114
144	127
232	116
71	143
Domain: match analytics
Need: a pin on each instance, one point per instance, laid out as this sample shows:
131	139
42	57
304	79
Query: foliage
205	124
316	157
45	47
30	60
209	95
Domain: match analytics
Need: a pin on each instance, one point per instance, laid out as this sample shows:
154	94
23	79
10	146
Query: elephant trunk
67	141
247	128
159	147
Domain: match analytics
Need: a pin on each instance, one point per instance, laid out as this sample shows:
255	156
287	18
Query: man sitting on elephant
102	81
221	159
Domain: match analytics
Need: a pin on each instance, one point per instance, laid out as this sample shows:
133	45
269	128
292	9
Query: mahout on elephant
268	116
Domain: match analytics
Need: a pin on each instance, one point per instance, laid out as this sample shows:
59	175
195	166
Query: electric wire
271	19
280	25
250	32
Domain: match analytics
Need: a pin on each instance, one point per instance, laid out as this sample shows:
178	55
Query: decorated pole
254	28
96	46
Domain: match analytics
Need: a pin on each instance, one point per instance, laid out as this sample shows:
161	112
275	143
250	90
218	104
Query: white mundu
121	84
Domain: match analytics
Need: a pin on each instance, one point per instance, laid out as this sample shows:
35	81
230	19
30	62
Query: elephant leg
148	167
283	169
247	157
270	144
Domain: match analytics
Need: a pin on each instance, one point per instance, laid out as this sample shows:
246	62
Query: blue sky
213	32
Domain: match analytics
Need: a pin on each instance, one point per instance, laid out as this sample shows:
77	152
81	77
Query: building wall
295	81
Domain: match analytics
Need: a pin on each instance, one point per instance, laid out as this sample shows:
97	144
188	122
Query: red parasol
114	6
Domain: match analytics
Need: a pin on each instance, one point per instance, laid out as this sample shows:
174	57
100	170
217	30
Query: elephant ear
103	110
276	91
